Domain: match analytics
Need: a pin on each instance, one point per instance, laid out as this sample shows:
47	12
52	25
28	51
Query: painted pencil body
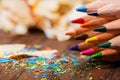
108	54
104	36
115	42
109	26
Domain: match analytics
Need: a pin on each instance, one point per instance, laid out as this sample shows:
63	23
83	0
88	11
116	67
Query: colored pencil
87	34
108	54
91	51
95	5
110	10
109	26
115	42
104	36
84	46
96	22
90	7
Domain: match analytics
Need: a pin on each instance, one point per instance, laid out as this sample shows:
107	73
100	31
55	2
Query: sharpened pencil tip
81	37
100	29
76	47
105	45
79	21
93	13
96	55
87	52
82	9
92	39
86	25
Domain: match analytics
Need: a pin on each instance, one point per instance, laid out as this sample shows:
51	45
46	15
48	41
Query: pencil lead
81	37
82	9
100	29
87	52
86	25
79	21
96	55
93	13
92	39
76	47
105	45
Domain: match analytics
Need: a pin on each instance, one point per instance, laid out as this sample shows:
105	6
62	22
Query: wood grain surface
108	71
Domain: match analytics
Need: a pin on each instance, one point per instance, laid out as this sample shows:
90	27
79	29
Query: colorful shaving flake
50	66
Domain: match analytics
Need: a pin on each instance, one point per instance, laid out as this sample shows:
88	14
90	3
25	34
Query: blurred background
50	16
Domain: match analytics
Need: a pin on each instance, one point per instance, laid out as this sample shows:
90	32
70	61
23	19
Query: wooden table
108	71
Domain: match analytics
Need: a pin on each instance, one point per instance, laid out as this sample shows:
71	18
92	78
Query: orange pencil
96	22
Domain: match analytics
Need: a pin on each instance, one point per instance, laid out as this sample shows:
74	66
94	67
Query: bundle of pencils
100	30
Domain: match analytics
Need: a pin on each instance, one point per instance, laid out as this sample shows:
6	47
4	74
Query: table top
101	71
